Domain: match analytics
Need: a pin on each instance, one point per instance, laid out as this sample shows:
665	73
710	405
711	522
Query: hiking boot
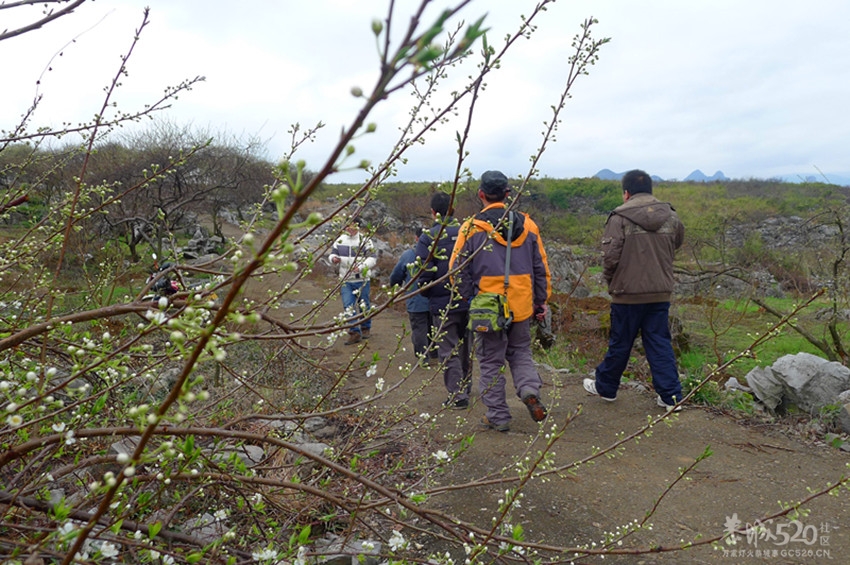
364	333
668	407
453	404
506	427
353	337
535	407
590	387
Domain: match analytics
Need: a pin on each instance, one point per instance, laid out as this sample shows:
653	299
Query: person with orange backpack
500	252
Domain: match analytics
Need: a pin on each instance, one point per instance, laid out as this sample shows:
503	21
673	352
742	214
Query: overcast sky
754	88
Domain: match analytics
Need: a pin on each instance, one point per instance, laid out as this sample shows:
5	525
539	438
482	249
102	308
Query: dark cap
494	183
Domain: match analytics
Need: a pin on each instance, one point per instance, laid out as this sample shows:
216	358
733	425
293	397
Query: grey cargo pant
513	347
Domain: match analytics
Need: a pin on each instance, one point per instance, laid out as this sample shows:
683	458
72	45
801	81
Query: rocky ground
754	470
750	473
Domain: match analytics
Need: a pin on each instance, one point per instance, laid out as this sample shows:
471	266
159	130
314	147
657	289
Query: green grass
719	332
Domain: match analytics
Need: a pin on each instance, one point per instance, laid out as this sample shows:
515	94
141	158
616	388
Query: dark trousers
652	320
420	332
453	349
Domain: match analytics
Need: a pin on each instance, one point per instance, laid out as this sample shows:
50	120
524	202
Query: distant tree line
145	185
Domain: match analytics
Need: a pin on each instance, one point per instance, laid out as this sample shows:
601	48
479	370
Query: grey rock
844	413
810	382
326	432
314	423
285	425
766	387
126	446
566	269
729	284
56	496
333	550
733	384
200	245
250	455
205	527
634	385
306	465
804	380
378	216
316	448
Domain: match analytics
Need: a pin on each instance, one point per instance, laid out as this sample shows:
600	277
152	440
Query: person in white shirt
355	256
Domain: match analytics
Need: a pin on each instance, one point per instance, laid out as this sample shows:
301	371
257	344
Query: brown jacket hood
650	214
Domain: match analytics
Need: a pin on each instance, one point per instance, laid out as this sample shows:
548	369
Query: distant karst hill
699	176
696	176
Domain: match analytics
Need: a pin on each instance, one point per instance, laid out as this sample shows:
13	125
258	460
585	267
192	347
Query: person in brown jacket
639	243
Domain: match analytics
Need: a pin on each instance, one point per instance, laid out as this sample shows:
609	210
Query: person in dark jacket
480	255
448	312
639	244
418	309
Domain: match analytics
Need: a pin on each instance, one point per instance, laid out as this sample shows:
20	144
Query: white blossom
397	541
301	558
265	555
108	550
66	528
158	318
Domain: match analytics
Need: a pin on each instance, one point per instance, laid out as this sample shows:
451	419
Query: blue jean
652	320
355	302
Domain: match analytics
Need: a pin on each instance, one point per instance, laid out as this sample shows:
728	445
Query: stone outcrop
805	381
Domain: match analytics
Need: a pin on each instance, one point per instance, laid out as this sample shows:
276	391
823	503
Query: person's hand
540	312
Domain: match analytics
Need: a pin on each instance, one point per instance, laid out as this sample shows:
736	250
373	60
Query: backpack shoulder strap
508	250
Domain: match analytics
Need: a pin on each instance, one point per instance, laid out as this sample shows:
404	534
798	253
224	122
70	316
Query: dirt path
750	473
